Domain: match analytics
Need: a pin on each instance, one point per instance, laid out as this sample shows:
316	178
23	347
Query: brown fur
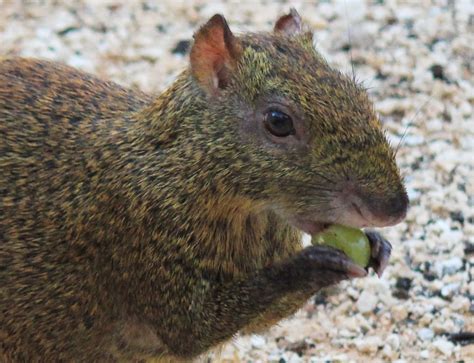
135	228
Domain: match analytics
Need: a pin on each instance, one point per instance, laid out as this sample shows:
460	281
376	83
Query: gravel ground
417	58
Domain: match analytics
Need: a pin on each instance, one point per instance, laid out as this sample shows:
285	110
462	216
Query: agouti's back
50	115
70	102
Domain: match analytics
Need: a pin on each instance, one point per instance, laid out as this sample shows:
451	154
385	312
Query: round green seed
352	241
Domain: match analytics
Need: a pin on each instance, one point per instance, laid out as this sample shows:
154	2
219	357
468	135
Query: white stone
424	354
388	351
450	290
394	341
345	333
460	303
62	20
366	302
425	334
444	346
257	341
448	267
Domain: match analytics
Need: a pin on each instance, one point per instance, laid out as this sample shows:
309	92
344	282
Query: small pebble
450	290
444	346
448	267
424	354
257	341
366	302
426	334
438	71
181	47
368	345
393	340
399	313
403	283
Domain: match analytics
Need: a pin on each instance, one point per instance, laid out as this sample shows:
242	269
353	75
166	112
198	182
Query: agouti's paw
323	266
380	251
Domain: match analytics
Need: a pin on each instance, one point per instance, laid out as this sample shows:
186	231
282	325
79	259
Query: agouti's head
293	134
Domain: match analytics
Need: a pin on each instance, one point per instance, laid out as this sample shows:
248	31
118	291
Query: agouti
134	227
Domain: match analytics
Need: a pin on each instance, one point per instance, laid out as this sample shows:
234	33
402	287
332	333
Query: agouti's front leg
290	303
228	307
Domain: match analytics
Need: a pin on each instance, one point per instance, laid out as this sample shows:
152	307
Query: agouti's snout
393	209
371	210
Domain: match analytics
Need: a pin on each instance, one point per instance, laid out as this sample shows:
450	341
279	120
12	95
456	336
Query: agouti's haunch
134	227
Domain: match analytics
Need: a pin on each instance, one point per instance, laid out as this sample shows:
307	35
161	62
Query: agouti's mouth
308	226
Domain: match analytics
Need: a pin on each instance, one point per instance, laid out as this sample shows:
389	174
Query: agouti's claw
354	270
380	251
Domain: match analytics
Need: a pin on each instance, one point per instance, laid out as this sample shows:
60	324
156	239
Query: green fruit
352	241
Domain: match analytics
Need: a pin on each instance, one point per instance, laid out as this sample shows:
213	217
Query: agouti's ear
289	24
214	54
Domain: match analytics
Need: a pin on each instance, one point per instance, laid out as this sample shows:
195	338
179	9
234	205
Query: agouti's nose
388	210
398	205
369	210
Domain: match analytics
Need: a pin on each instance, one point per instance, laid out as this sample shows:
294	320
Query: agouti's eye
279	123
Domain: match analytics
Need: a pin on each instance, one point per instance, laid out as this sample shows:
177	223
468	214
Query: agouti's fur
134	227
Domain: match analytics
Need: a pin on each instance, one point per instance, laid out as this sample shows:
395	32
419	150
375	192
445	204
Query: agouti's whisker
410	123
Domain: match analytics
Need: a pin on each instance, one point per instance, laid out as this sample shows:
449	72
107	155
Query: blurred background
417	59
